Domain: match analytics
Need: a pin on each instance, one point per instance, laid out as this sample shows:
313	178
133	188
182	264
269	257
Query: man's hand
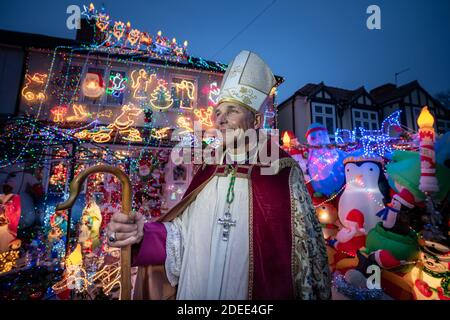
124	230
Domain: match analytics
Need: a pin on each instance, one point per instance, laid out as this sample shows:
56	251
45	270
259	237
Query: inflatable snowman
324	164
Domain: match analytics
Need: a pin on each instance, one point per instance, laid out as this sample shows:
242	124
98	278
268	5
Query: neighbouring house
410	98
347	109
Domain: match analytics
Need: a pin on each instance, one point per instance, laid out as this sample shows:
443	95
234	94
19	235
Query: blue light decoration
377	142
344	136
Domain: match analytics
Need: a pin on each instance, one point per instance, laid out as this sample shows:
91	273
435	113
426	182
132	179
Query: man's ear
258	121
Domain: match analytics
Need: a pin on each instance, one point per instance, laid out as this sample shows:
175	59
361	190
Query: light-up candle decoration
286	140
428	180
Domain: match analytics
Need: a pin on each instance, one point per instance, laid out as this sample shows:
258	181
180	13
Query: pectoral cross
227	223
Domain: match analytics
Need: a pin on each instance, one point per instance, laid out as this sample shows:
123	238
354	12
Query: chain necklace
226	221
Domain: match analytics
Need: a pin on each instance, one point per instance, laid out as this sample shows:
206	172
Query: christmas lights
32	90
213	94
141	81
8	260
189	88
102	22
160	98
93	86
118	30
377	142
121	124
109	277
161	133
119	34
204	116
80	113
116	85
344	136
184	123
59	113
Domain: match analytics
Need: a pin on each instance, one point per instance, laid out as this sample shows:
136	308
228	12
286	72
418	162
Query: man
237	233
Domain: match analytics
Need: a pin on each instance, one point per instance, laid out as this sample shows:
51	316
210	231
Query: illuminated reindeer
377	141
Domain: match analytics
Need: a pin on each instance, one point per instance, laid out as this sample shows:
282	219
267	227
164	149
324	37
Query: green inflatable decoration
405	170
402	247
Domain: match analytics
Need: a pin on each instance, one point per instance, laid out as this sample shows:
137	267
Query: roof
338	94
390	91
381	95
31	40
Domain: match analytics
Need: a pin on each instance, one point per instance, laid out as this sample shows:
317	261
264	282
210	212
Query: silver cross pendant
226	223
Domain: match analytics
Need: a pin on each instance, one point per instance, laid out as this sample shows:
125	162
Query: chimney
86	33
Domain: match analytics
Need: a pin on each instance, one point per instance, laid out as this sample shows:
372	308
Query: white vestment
202	264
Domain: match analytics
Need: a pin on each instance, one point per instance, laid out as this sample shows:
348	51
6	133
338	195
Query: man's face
230	116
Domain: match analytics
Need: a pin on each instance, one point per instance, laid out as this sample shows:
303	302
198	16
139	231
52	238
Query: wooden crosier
125	254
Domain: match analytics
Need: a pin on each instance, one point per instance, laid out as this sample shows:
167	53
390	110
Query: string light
376	142
8	260
189	88
141	81
116	85
161	133
58	113
112	33
204	116
332	197
80	113
160	98
33	86
213	94
184	123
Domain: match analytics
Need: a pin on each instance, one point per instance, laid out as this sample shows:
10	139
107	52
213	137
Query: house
410	98
348	109
114	94
119	99
333	107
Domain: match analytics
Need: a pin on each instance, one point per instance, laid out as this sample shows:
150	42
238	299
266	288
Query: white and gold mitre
247	81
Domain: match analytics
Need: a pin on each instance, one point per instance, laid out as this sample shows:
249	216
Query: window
366	119
67	83
325	115
184	93
93	85
443	126
116	87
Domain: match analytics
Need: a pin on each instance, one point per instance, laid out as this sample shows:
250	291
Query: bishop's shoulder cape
287	255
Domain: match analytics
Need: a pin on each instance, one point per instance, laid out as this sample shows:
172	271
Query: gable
322	94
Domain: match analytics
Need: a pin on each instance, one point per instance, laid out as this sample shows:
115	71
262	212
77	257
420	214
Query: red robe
271	225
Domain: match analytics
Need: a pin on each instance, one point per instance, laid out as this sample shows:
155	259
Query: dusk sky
303	41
